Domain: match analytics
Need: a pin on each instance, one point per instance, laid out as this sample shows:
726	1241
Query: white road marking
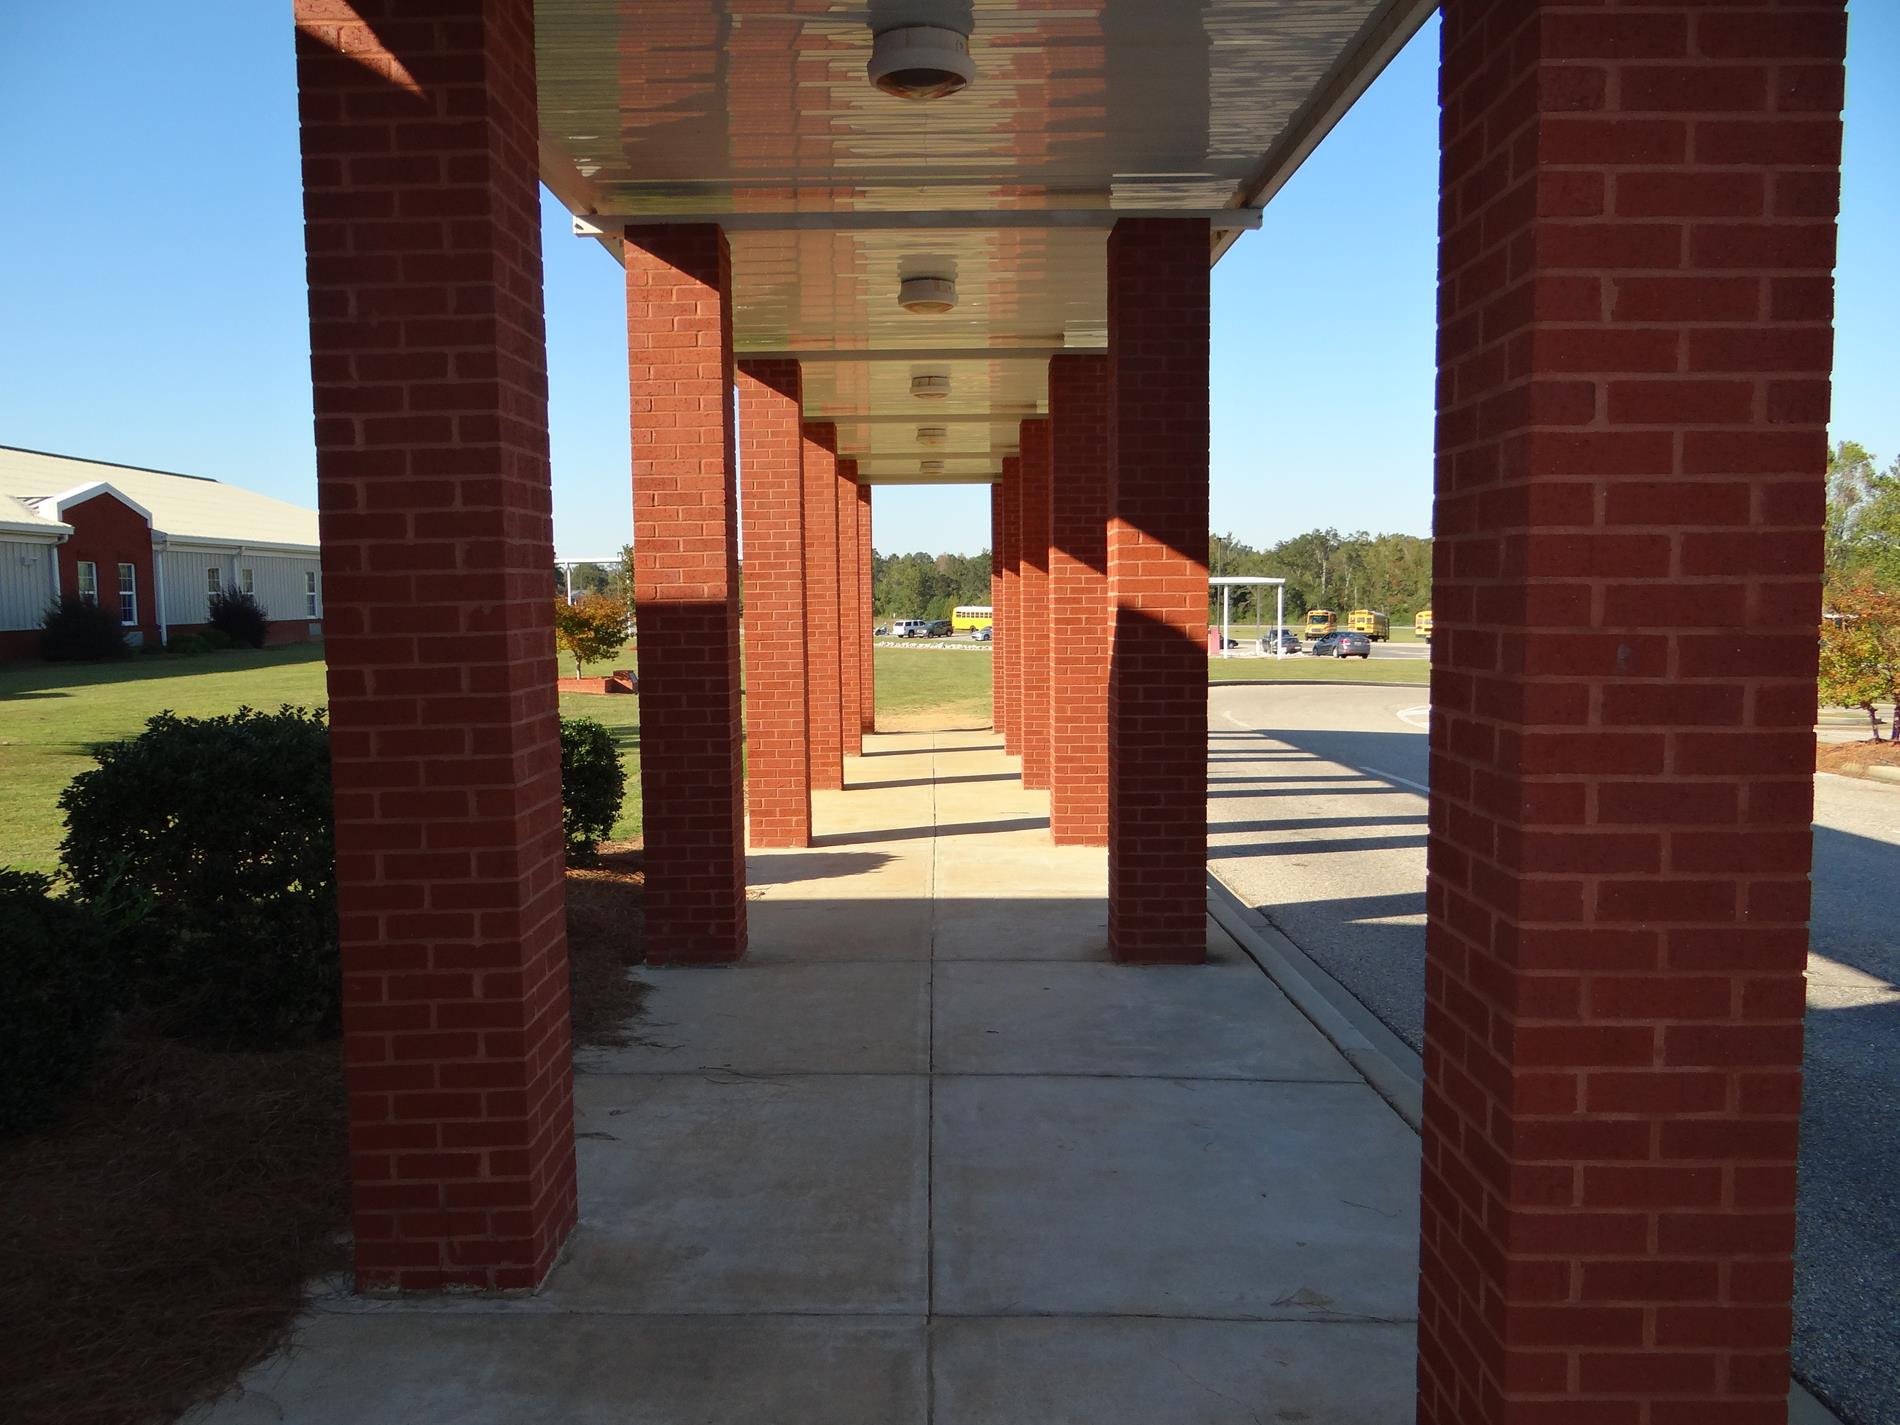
1394	777
1235	721
1419	717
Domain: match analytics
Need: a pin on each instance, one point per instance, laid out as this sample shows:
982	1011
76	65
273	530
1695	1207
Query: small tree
1860	651
76	629
593	785
239	617
592	627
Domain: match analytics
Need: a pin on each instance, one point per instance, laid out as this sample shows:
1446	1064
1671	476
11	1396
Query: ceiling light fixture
930	388
931	467
932	435
927	296
921	61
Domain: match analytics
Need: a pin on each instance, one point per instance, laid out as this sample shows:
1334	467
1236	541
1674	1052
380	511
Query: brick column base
778	757
1032	598
1157	579
867	652
432	483
825	702
1078	609
685	580
1637	235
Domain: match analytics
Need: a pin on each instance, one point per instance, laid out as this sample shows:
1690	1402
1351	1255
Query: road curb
1396	1073
1389	1064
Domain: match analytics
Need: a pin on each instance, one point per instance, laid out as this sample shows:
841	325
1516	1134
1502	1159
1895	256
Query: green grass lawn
1304	668
915	681
52	715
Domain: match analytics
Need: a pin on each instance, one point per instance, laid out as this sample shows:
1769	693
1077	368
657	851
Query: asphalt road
1316	813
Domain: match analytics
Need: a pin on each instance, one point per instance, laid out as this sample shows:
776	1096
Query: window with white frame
89	581
246	582
128	594
214	582
310	592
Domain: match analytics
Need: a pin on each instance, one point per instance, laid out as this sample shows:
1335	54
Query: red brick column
999	673
867	615
1078	636
850	619
778	758
685	591
1009	646
1032	599
1157	579
1634	350
430	381
820	606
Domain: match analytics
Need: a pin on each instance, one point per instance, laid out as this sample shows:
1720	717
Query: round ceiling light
930	388
931	467
920	61
927	296
932	435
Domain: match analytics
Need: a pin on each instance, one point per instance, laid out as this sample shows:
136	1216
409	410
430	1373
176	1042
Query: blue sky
152	297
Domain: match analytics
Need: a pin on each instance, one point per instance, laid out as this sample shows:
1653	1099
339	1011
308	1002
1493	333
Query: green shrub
75	629
56	998
239	617
217	640
592	785
210	839
190	645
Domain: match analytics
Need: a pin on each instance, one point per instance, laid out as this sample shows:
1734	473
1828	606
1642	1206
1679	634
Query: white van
910	628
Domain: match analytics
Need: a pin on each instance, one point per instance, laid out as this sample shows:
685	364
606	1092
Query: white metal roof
183	508
18	517
760	117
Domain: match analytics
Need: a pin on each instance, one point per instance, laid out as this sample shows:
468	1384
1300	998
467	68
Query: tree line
1860	629
1325	569
927	586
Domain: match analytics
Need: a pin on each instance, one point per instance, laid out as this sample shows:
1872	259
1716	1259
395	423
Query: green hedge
57	996
593	784
209	840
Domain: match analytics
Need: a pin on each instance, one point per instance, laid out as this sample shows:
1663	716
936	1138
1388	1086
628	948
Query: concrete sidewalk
927	1157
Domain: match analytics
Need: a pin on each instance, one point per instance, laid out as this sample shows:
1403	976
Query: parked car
982	635
881	630
909	628
937	628
1343	644
1288	641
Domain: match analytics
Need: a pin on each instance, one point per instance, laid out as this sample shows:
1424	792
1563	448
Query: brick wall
685	590
1078	637
108	533
1157	578
1032	598
1636	243
428	364
867	660
1006	648
778	759
823	677
850	621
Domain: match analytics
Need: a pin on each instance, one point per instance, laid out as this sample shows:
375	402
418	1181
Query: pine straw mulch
1852	759
159	1240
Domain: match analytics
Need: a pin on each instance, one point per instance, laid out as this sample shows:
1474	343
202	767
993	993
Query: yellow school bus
1373	624
970	618
1422	625
1320	622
